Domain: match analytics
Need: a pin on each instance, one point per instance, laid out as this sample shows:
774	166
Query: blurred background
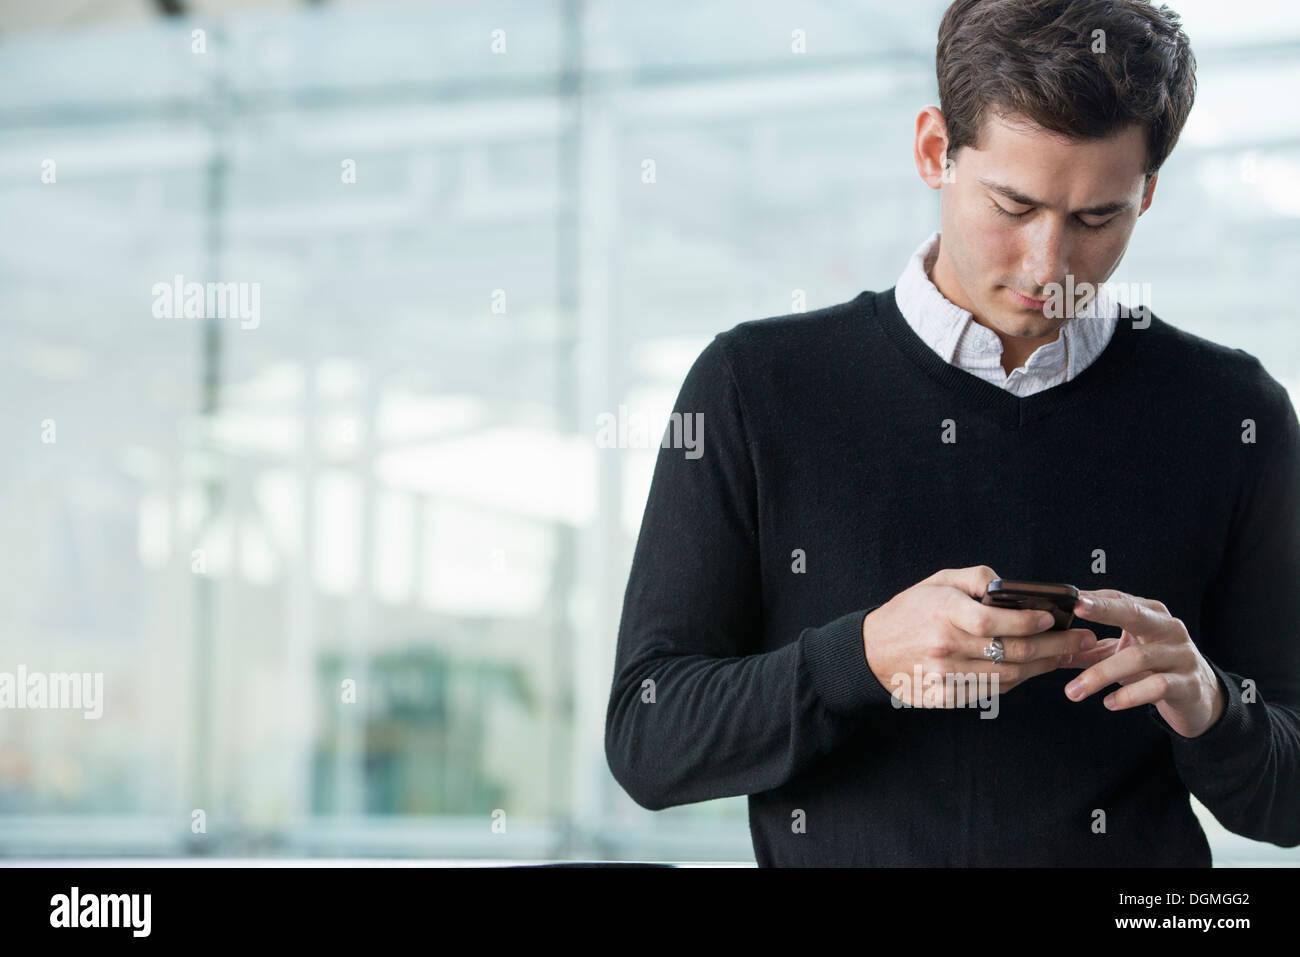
472	228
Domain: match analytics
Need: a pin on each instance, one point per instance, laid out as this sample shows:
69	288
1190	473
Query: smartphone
1042	596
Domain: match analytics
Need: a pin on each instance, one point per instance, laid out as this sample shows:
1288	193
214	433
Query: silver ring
994	650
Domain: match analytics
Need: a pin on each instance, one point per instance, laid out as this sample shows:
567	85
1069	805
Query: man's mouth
1028	302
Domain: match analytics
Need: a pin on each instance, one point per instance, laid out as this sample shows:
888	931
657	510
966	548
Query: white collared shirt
961	341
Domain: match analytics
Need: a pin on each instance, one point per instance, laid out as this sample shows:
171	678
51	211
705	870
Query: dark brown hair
1035	59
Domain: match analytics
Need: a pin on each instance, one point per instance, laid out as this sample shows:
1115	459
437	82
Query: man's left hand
1154	659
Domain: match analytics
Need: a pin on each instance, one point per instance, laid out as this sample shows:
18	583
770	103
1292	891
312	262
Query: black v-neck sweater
825	487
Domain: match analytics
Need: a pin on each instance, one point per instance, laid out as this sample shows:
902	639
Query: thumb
973	580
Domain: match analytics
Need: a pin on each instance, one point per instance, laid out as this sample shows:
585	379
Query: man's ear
930	148
1151	191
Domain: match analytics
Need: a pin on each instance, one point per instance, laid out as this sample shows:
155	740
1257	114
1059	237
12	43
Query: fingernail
1073	690
1045	621
1089	641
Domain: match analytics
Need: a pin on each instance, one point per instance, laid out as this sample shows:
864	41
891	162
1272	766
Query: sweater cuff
1231	744
837	660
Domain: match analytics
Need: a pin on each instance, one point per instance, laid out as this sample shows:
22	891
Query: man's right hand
941	625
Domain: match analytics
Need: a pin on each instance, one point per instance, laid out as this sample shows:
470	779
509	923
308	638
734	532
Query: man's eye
1007	212
1098	225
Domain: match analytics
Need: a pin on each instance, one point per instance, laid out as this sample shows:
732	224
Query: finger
1090	658
988	678
1123	665
1147	620
1085	660
1158	686
1136	678
1099	652
1043	644
988	621
1025	671
947	689
971	581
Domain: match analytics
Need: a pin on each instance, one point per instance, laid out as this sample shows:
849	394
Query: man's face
1080	201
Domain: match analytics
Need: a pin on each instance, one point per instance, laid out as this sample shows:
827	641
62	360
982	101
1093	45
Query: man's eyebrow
1105	209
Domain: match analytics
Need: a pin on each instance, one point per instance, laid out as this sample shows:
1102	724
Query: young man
870	467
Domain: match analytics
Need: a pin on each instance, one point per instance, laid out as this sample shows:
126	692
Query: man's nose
1046	259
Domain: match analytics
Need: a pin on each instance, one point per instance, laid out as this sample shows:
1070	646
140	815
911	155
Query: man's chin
1023	325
